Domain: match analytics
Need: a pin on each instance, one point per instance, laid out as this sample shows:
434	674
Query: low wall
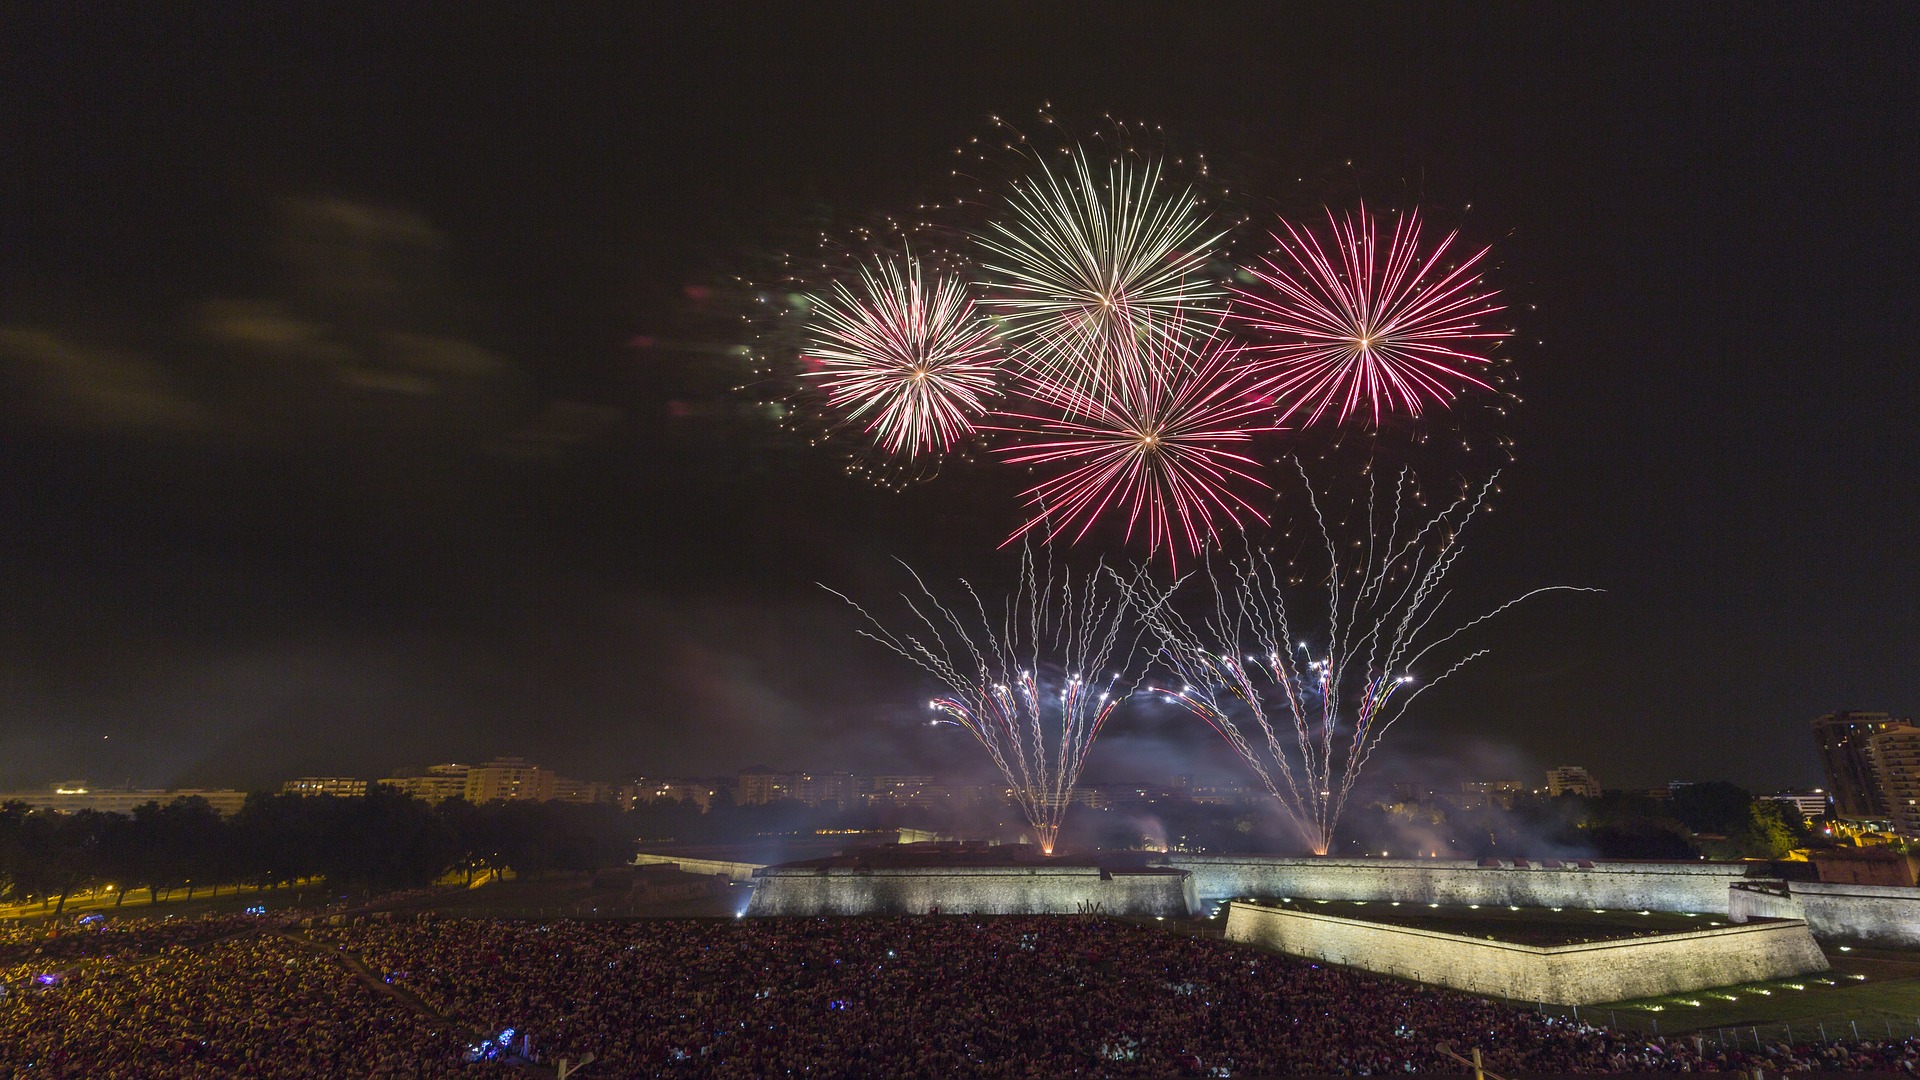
1015	890
1880	914
735	871
1580	974
1677	886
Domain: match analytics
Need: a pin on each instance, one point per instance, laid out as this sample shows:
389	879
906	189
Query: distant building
73	796
644	790
1572	780
1843	738
1224	793
1481	793
441	782
1093	798
505	779
897	788
1895	755
759	785
341	786
816	788
508	779
1808	804
563	789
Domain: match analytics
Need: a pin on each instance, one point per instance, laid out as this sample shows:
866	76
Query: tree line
382	841
1713	819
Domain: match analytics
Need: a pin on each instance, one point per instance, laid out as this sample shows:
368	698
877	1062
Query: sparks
1357	329
1160	445
1015	677
1384	605
907	353
1090	259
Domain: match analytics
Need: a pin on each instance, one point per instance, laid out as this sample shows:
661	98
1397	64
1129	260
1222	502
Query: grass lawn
1879	989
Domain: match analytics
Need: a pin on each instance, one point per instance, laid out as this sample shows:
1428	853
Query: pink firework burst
907	354
1159	444
1361	327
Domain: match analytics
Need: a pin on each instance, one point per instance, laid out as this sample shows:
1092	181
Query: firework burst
1303	711
1091	258
906	354
1159	440
1033	679
1356	326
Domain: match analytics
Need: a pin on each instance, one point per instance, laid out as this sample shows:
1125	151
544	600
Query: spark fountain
1305	708
1033	678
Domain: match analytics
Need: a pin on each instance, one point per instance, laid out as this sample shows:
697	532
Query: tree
13	817
1768	833
198	842
1716	807
383	840
56	854
1647	838
278	838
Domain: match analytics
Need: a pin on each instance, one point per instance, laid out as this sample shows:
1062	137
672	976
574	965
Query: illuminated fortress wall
1676	886
1882	914
982	890
1579	974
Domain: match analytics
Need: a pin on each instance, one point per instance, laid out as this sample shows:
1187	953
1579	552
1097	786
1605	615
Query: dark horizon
367	402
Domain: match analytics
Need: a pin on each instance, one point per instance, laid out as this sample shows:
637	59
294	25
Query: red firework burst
1158	443
1359	327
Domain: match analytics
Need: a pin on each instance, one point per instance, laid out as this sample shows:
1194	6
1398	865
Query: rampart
984	890
1880	914
735	871
1578	974
1654	886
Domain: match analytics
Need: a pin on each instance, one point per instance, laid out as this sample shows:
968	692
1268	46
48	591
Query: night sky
335	442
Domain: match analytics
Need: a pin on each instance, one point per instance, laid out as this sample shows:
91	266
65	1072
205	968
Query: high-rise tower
1844	750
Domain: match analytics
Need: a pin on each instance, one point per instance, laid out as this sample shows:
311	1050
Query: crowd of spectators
214	997
98	935
879	997
955	996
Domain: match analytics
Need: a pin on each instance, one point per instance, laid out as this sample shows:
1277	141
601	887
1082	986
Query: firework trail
1159	440
908	353
1091	258
1033	679
1362	327
1305	713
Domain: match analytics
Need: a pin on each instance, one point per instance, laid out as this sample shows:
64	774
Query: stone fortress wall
1880	914
735	871
1578	974
1871	913
1613	886
980	890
